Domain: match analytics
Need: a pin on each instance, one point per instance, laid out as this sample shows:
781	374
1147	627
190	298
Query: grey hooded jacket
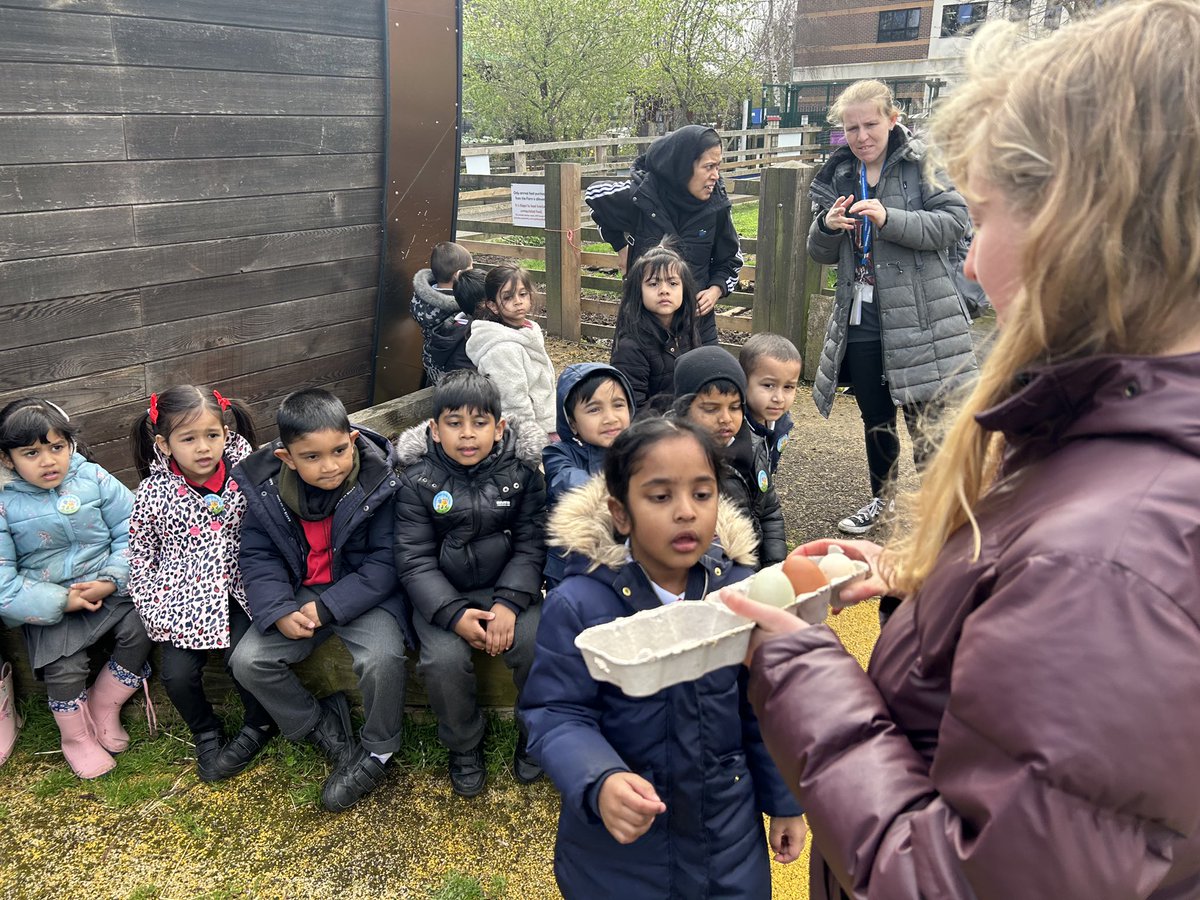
925	328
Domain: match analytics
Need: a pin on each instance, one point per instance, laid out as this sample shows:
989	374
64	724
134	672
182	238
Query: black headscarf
671	160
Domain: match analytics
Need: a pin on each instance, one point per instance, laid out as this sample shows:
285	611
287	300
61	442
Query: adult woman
899	332
1029	723
675	191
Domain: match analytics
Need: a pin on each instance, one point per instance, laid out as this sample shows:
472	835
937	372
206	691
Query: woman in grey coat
899	332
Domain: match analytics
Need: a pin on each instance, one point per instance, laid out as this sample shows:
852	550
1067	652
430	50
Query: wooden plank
516	251
37	279
62	360
33	88
194	45
171	223
192	137
33	324
272	385
28	235
49	139
52	37
472	225
363	18
36	188
741	324
393	416
77	395
185	299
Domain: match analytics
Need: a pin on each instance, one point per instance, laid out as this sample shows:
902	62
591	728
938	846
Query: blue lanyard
867	231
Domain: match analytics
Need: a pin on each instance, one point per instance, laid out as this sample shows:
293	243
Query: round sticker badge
68	504
214	503
764	482
443	502
781	444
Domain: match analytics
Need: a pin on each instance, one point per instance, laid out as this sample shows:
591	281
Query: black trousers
862	366
182	671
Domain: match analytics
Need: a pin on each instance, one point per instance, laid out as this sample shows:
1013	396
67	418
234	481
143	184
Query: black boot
208	749
236	756
360	774
525	768
468	774
333	732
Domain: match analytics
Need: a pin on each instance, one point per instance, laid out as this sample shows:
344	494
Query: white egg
772	587
835	565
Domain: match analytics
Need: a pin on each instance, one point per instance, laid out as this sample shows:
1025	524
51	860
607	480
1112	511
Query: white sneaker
865	519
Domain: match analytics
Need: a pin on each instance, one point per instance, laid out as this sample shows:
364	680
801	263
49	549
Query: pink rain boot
113	686
10	722
80	747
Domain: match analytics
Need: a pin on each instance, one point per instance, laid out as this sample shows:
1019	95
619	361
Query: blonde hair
1092	137
868	91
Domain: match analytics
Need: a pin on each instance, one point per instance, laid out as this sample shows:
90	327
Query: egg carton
654	649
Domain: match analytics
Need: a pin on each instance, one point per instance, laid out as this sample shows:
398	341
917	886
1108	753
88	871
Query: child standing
316	560
507	346
64	534
433	298
656	323
183	569
710	390
469	551
594	407
661	796
772	366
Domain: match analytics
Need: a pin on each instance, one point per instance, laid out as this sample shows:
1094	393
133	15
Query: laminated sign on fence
529	205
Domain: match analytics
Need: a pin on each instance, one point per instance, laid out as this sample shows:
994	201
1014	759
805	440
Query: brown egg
804	574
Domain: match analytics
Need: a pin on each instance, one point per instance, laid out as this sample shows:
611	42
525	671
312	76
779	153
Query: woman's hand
628	805
706	300
786	837
872	209
772	621
874	585
836	218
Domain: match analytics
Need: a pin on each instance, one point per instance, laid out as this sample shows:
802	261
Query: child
316	560
183	550
448	343
593	408
64	533
508	347
772	365
710	390
661	796
655	323
10	720
433	301
470	551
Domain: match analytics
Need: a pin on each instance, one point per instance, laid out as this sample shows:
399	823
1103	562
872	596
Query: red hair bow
221	401
153	410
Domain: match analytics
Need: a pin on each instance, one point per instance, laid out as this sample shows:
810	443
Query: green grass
745	219
457	886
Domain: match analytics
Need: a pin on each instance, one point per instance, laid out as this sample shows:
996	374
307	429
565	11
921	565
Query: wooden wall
190	190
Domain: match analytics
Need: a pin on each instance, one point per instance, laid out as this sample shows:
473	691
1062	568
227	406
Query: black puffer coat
746	480
646	357
464	528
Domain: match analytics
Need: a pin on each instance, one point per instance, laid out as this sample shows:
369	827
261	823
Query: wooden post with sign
562	250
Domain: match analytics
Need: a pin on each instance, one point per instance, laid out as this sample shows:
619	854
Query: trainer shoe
360	774
865	519
468	772
525	768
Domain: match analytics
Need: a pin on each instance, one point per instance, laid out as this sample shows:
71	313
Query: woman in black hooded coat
675	190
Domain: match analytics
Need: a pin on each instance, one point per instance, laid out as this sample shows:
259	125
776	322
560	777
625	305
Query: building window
899	25
957	18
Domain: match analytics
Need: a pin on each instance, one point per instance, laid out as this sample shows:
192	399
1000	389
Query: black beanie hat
704	365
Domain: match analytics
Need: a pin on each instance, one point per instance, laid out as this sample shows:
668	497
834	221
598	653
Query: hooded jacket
431	308
697	743
183	556
1030	720
44	549
516	360
746	480
925	328
570	462
274	555
465	528
655	203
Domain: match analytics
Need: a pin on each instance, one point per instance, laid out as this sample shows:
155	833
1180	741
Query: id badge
863	293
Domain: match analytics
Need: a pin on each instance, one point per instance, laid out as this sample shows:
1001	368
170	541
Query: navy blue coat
273	557
698	743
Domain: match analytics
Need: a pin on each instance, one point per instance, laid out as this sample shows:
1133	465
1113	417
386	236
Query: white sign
529	205
479	165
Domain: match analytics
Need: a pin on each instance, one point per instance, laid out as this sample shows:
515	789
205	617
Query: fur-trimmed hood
581	524
425	290
525	440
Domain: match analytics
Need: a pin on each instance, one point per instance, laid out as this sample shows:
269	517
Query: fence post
520	157
785	276
562	253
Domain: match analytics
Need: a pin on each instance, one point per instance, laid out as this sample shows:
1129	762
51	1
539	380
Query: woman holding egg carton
1029	722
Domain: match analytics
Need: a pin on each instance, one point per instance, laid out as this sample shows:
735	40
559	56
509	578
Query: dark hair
176	406
498	278
766	346
30	420
634	319
469	290
585	389
634	442
308	411
448	258
467	390
683	403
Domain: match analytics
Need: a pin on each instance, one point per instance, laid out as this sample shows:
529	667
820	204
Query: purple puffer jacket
1030	723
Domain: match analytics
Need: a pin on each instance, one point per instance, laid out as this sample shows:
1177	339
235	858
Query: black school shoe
525	769
332	735
208	749
360	774
468	774
236	756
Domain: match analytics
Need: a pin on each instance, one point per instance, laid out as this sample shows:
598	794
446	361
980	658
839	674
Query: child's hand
500	630
310	609
628	804
95	591
787	837
470	627
77	601
296	626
